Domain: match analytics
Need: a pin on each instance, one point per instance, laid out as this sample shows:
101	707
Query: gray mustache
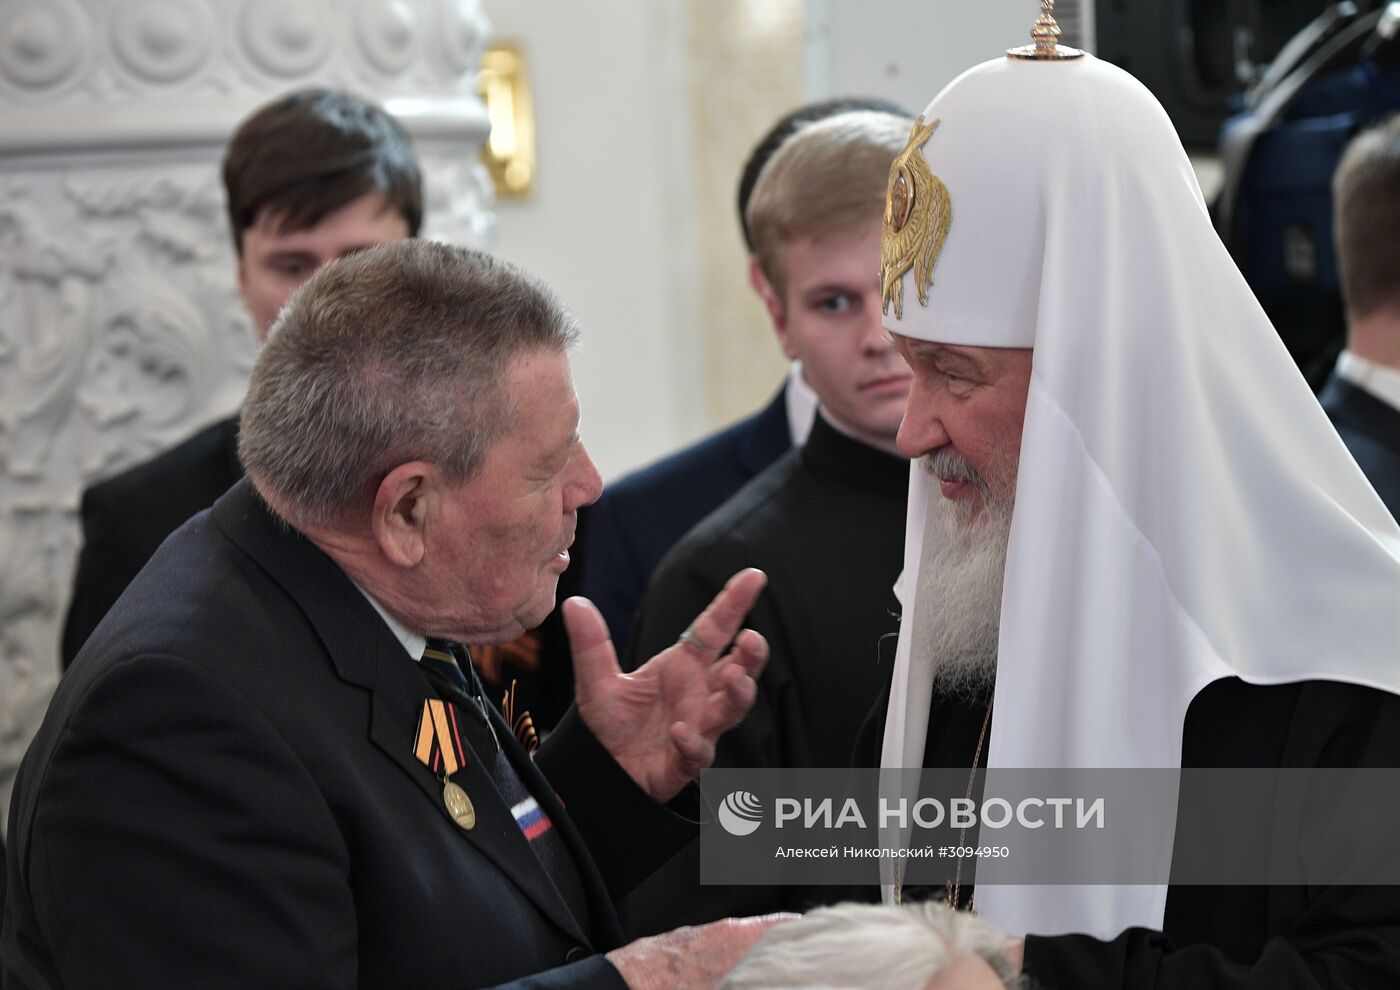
949	465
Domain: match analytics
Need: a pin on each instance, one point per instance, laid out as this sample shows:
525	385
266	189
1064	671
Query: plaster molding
120	328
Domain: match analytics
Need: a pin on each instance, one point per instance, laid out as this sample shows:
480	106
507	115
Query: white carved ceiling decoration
120	329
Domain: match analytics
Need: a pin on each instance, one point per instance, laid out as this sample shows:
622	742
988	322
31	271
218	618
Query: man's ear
403	504
773	302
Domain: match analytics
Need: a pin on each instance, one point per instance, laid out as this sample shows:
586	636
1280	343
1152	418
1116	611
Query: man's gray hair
392	354
855	946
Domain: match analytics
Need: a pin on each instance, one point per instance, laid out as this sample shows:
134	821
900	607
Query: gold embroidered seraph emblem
918	211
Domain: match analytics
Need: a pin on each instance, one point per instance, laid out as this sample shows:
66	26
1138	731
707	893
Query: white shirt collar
801	405
1379	380
414	643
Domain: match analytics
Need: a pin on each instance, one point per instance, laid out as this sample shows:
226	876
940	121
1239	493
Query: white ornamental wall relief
120	328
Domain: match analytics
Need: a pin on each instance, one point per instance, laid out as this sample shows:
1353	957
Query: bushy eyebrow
559	454
940	355
830	289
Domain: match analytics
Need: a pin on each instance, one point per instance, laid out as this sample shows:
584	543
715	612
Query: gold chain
954	889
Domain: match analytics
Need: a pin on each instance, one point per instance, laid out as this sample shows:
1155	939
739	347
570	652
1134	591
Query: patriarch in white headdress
1100	404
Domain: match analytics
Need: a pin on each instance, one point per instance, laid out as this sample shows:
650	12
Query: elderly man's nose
921	430
588	483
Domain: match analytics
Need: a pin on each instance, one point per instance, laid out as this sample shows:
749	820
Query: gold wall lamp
509	152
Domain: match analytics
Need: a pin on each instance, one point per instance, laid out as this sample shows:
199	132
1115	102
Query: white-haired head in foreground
924	946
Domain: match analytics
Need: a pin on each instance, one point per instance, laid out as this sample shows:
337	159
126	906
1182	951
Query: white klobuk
1184	510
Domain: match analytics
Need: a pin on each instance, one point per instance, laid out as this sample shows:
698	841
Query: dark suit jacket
1371	431
126	517
224	793
623	536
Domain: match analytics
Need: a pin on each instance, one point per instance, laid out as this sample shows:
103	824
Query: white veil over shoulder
1184	509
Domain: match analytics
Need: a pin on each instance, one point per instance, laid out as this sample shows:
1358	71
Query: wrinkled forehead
987	189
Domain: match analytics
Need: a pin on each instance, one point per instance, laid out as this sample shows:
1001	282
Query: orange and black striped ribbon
522	725
438	744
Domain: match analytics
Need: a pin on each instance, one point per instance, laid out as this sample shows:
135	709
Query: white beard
960	587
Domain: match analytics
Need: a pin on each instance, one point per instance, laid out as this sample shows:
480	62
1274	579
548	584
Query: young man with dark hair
312	176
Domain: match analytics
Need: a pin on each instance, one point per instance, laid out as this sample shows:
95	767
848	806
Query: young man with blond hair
825	520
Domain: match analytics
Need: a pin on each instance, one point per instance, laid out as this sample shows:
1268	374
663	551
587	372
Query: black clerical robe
1215	938
826	523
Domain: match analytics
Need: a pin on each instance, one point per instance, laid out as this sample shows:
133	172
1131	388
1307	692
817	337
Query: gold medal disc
459	806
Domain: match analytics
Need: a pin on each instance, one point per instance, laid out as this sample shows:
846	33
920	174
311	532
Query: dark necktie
449	667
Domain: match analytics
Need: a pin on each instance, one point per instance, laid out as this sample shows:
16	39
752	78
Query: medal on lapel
439	748
459	806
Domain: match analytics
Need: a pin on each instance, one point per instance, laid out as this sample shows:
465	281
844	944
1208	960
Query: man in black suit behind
312	176
1363	395
273	765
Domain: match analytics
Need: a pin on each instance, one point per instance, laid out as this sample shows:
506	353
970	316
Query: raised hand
661	722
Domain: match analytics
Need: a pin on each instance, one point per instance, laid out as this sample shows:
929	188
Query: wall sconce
509	152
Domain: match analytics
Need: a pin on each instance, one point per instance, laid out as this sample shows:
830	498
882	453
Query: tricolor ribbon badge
531	818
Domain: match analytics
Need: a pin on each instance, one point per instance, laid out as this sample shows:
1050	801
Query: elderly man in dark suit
312	176
1363	395
273	764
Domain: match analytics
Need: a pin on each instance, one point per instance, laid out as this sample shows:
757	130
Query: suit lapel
397	699
365	652
600	904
